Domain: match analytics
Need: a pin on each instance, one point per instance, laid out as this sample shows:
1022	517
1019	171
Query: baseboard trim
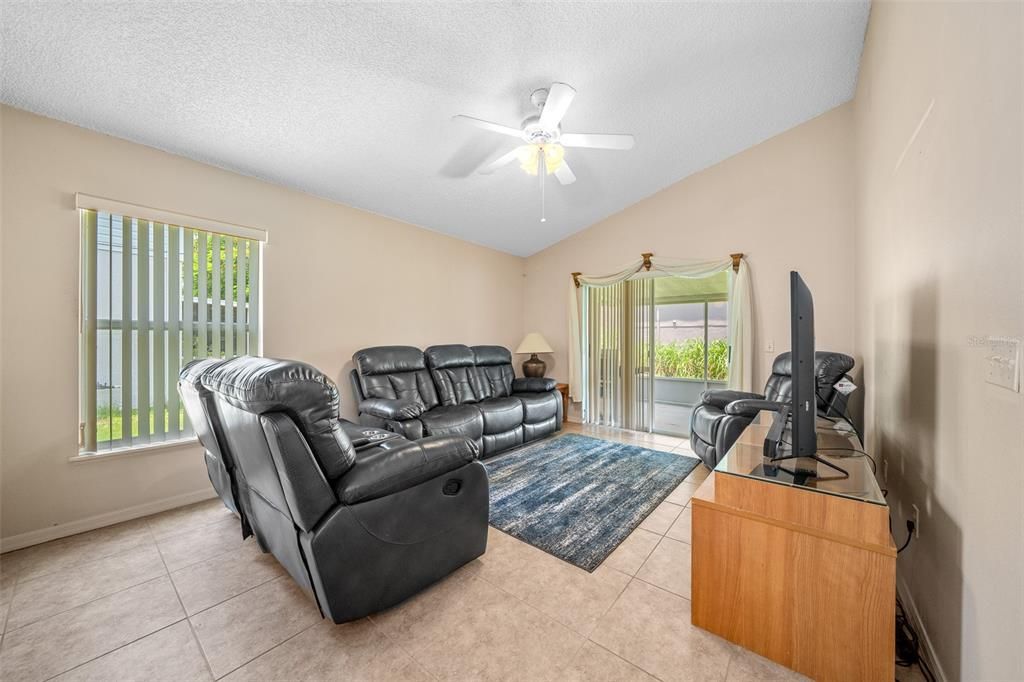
63	530
903	590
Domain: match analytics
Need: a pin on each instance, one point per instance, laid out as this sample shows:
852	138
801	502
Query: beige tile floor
179	596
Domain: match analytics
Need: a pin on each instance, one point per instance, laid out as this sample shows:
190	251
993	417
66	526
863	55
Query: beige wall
336	279
786	203
939	254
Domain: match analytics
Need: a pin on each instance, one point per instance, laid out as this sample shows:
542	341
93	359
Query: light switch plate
1004	362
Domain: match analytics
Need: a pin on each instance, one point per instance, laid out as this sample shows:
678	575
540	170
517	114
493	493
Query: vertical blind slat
173	328
107	232
240	309
229	298
90	294
127	335
188	295
159	316
142	307
254	299
215	289
202	327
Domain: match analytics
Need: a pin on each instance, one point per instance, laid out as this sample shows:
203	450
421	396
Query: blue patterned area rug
578	497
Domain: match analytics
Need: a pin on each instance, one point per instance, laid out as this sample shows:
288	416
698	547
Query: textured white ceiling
353	101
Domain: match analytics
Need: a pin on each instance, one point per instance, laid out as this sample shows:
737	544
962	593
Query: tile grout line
76	564
184	530
401	646
194	529
118	648
625	660
78	665
184	611
227	599
7	613
148	528
218	555
262	653
142	581
538	611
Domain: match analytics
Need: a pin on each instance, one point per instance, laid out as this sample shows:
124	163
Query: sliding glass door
652	345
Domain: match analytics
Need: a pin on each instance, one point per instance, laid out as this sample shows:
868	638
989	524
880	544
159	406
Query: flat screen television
805	401
798	418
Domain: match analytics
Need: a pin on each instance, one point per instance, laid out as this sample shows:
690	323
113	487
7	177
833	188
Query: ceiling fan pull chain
541	171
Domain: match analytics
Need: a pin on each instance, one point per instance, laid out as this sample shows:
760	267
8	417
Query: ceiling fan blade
597	140
565	174
488	125
502	160
560	96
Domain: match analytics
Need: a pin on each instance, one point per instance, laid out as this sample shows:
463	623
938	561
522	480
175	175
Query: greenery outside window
691	339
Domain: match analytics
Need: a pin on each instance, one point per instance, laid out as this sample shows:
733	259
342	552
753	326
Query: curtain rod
736	257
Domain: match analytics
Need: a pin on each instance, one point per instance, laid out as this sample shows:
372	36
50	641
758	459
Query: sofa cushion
501	414
395	372
461	420
455	374
494	443
540	429
538	407
494	370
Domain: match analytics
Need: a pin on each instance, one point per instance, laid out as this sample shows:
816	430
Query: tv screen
805	400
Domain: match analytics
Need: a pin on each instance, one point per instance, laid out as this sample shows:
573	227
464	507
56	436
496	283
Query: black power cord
910	535
908	644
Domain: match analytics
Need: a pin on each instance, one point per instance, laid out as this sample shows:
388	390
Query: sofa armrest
366	436
750	407
533	384
398	465
391	409
722	397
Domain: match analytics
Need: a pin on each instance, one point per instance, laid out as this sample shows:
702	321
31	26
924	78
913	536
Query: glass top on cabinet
837	443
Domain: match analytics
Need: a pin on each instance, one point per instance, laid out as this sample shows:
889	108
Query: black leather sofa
721	416
359	517
454	390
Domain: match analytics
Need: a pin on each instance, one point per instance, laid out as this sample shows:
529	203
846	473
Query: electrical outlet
770	346
917	520
1003	362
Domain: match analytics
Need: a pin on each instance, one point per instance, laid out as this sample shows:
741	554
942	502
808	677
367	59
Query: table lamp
534	343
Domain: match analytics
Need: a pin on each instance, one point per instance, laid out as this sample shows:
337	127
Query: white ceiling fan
544	149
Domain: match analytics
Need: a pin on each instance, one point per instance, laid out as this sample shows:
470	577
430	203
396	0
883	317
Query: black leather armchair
722	415
359	517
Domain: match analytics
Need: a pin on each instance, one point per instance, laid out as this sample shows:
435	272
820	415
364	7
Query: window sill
147	449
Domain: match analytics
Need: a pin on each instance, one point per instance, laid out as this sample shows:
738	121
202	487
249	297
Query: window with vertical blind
156	295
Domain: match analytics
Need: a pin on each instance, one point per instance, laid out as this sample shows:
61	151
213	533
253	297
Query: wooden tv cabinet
803	574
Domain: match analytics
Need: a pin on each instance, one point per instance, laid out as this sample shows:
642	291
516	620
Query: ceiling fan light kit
544	150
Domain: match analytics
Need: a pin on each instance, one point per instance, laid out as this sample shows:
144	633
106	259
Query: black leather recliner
359	527
198	404
454	389
721	416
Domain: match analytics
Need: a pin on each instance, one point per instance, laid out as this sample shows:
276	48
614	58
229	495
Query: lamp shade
534	343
